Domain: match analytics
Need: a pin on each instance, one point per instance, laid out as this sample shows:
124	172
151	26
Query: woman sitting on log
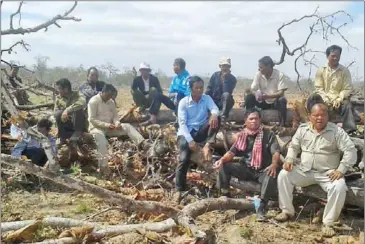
31	148
260	160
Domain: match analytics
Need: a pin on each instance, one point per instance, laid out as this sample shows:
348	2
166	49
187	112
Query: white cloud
126	33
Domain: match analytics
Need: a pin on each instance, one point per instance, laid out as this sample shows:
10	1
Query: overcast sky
126	33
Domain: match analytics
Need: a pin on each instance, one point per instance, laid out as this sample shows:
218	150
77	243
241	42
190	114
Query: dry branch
14	14
45	25
49	221
31	107
10	49
124	202
191	211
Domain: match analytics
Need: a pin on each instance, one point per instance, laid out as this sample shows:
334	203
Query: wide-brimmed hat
144	65
225	61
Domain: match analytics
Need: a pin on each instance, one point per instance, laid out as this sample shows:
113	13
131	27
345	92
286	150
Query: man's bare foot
328	231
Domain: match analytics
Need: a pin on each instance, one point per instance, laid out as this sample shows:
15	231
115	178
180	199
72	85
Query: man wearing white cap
145	87
221	86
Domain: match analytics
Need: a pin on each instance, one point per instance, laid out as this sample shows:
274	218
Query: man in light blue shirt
195	127
29	147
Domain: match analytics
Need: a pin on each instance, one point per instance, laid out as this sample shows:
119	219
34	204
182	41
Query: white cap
225	60
144	65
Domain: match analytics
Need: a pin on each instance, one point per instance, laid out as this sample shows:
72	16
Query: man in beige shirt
103	121
333	86
320	143
267	89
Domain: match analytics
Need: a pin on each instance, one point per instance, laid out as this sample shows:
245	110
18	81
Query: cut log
237	114
354	196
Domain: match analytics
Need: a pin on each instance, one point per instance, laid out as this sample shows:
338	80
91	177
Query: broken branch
45	25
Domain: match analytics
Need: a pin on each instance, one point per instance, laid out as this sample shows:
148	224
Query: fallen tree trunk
354	196
98	231
124	202
237	114
49	221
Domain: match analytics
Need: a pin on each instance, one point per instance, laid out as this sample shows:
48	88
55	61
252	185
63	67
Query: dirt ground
21	201
38	198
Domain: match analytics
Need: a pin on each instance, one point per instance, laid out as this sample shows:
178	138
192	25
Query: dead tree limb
191	211
14	14
22	43
49	221
124	202
45	25
31	107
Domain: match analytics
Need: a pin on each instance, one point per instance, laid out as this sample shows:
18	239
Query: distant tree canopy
123	79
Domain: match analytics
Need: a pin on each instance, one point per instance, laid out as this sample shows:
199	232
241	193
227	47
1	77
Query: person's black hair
332	49
45	123
92	68
109	88
322	104
64	83
251	111
267	61
194	79
181	62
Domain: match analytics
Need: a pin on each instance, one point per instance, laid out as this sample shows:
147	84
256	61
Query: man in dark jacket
260	160
221	86
147	92
145	87
92	86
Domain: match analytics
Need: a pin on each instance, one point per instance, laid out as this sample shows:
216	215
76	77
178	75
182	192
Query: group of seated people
200	116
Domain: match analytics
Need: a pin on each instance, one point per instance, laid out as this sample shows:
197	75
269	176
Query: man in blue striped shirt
195	127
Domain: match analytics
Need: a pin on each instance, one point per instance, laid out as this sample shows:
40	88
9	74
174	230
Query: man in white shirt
267	89
103	121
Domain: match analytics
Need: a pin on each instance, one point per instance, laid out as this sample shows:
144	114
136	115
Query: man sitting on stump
321	144
260	160
334	86
221	86
195	127
147	92
103	121
267	89
145	87
69	112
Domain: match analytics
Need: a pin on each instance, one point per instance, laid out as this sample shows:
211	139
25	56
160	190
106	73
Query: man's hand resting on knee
288	167
335	175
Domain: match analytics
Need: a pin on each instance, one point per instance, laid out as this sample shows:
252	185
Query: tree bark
191	211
